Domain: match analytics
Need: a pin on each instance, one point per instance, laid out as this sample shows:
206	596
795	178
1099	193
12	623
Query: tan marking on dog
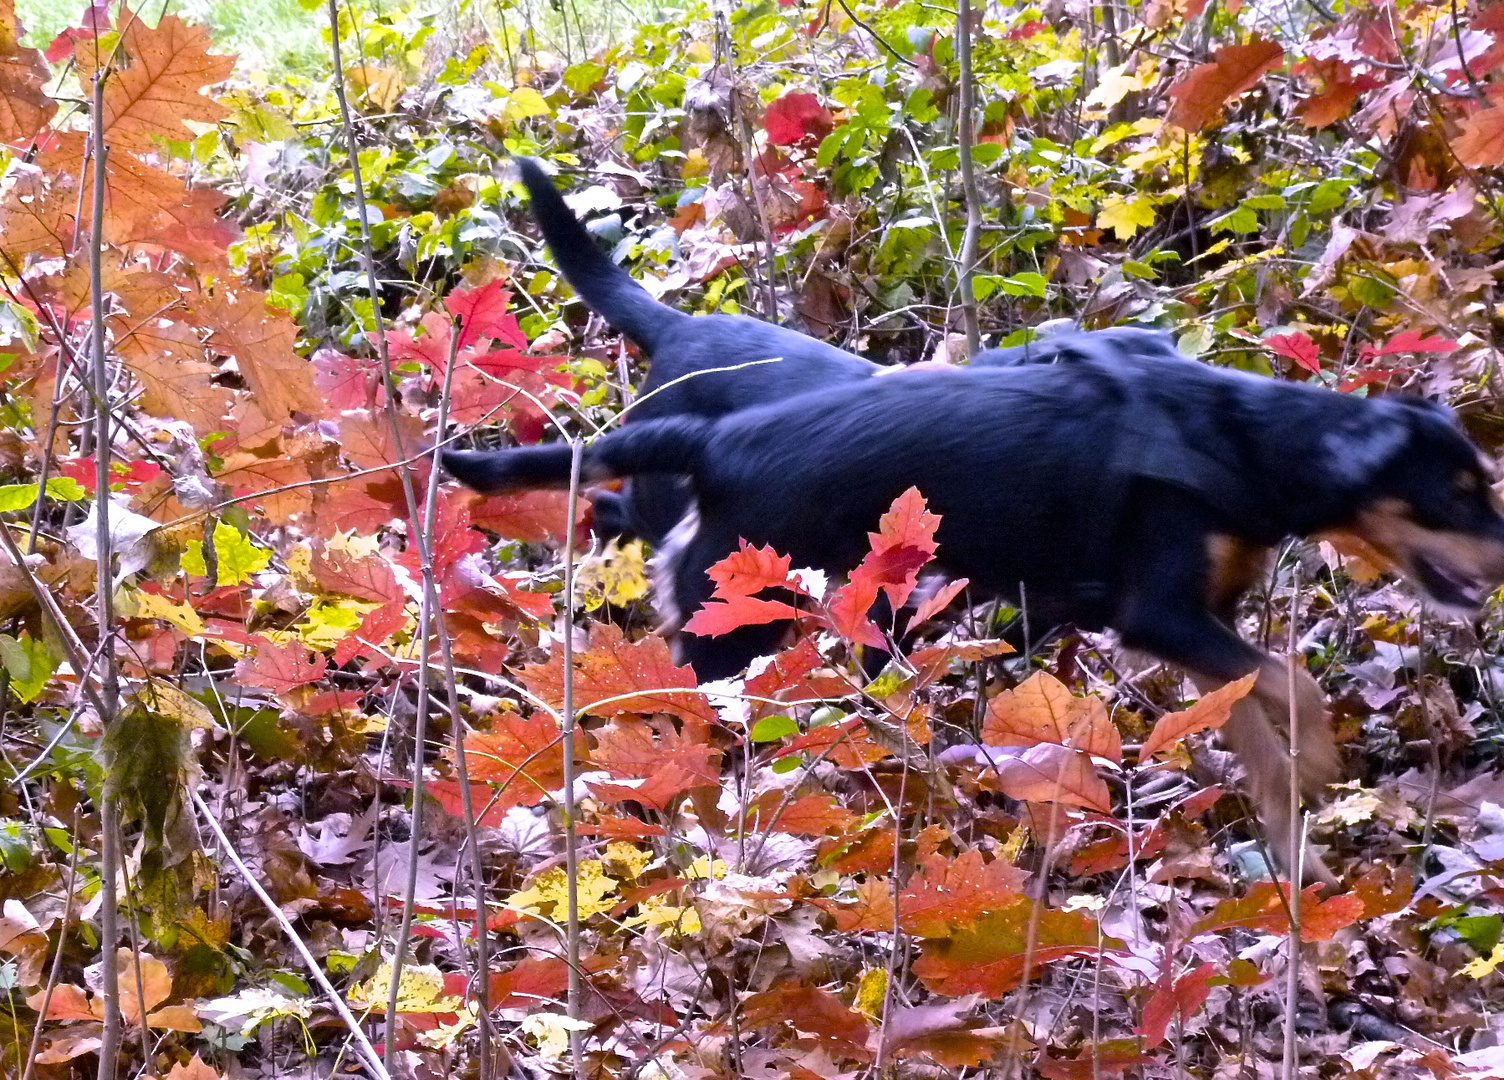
1386	535
1232	566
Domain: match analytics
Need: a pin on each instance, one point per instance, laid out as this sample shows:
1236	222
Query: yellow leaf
618	576
870	991
1484	965
167	700
421	990
175	1018
551	1032
136	604
524	102
382	86
1125	217
547	897
1116	84
627	859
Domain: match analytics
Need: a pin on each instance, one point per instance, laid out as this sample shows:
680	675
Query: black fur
686	351
1096	483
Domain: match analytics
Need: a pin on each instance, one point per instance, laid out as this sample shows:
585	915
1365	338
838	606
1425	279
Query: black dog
685	353
712	365
1125	493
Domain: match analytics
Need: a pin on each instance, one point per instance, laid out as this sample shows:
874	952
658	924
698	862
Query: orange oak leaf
1184	995
1198	97
809	815
988	956
933	661
365	577
945	895
1042	709
798	1009
1208	714
794	675
617	676
150	96
522	757
262	343
1481	143
25	107
529	984
1262	909
169	361
652	765
534	517
872	910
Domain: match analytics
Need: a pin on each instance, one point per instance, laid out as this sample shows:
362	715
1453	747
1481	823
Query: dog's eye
1466	483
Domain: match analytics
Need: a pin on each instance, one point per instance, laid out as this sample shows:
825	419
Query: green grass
268	35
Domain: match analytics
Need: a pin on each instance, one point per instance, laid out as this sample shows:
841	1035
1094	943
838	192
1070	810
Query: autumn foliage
920	839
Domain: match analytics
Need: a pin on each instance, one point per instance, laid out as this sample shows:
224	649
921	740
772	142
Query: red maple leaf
280	667
1297	347
795	116
483	315
616	677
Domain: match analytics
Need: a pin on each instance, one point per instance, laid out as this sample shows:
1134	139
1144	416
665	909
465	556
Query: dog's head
1425	507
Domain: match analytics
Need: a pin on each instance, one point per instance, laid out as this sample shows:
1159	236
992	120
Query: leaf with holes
617	676
946	895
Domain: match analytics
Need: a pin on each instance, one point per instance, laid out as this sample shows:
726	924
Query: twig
55	973
363	1045
1292	974
109	818
567	731
457	733
966	136
415	520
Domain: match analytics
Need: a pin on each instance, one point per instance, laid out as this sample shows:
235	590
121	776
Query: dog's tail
606	288
672	445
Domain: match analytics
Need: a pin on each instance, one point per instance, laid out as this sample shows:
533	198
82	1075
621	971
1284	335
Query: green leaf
66	489
773	728
583	76
786	764
28	662
1025	284
17	496
237	557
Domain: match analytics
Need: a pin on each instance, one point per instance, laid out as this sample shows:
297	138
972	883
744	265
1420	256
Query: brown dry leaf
1042	709
150	99
872	911
618	676
25	107
1197	99
262	344
195	1069
175	374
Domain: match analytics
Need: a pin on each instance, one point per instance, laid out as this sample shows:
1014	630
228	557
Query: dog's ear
1359	447
484	471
